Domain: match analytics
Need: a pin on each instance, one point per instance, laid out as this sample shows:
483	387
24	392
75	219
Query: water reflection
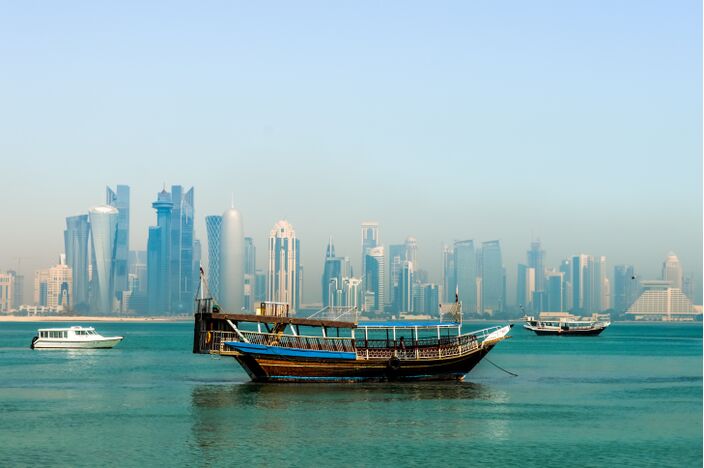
268	417
282	394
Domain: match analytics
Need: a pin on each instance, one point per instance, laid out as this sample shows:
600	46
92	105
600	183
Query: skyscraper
672	271
599	285
213	226
449	282
159	257
103	228
250	274
493	278
466	275
406	284
120	199
580	282
397	255
535	258
232	261
7	292
374	290
370	239
412	251
525	287
626	288
181	251
555	291
333	272
283	283
77	257
59	286
18	289
197	261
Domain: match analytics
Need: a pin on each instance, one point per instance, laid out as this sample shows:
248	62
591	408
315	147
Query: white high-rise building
60	286
672	271
53	287
283	275
231	261
374	274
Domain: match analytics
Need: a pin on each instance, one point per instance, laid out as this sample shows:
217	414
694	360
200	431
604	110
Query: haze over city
434	122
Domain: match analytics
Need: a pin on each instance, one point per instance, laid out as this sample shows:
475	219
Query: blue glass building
331	282
213	225
465	259
120	199
182	287
493	277
76	238
159	257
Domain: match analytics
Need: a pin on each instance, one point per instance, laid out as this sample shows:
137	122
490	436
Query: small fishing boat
565	327
72	338
333	346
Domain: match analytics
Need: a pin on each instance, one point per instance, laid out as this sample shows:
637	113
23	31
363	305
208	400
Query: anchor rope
501	368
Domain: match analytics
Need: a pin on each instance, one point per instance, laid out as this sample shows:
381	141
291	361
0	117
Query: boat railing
482	334
424	348
217	340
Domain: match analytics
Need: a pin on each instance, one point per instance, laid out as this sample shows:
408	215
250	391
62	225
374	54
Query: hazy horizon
578	124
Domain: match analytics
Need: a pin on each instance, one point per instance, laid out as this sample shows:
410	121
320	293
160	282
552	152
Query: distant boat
72	338
565	327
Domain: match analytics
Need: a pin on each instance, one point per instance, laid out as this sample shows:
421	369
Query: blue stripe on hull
379	378
252	348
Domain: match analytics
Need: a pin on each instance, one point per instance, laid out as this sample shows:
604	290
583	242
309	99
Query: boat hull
92	344
278	368
590	332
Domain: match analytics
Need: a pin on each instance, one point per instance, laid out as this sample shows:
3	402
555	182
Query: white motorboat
72	338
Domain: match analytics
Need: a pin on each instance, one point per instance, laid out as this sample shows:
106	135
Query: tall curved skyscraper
103	227
232	261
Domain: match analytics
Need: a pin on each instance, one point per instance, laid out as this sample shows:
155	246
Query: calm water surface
632	397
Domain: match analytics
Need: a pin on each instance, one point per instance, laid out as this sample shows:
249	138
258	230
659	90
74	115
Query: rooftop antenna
232	205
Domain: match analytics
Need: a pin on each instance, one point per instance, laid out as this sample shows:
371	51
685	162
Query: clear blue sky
577	122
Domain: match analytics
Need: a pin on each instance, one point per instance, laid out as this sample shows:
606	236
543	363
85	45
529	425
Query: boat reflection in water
287	424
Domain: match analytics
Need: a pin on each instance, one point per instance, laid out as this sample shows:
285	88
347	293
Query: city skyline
580	282
432	260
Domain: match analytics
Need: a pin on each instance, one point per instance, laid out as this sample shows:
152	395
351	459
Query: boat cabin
64	333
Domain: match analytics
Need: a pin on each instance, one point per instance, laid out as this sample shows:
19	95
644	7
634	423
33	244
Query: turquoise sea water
630	397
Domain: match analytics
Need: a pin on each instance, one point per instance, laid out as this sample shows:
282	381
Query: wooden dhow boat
271	346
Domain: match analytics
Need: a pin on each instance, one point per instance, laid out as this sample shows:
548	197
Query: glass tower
374	280
466	274
76	246
493	278
159	257
103	227
213	225
332	277
535	258
120	199
181	259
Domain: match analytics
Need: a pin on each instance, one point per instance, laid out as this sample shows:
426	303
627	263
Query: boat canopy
409	324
